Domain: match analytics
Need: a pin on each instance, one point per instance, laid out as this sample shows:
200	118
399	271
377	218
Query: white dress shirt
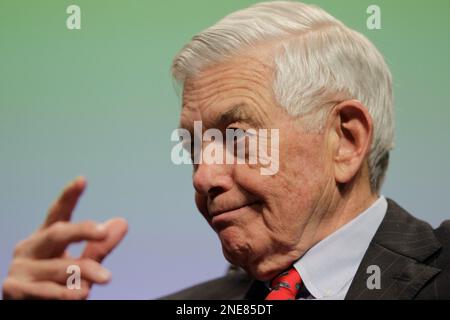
328	268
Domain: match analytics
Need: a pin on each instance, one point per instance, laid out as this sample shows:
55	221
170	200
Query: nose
212	179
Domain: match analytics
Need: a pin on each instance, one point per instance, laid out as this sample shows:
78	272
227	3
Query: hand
38	269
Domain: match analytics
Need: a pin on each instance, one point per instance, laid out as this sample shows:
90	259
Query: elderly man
318	227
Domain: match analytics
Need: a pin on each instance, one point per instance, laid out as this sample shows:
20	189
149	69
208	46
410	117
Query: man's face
264	222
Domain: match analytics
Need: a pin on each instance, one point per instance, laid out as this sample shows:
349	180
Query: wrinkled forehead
237	70
232	89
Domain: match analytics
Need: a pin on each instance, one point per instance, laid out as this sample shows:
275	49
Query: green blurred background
100	102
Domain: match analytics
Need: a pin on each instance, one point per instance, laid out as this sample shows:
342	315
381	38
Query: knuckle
90	222
88	266
8	285
87	226
55	231
88	263
11	289
83	264
59	225
20	247
18	265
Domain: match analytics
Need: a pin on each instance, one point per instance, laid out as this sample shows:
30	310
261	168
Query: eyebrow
239	112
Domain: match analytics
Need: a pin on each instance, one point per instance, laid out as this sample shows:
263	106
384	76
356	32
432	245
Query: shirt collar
328	268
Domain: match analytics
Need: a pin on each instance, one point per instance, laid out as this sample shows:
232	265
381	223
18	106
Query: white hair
318	61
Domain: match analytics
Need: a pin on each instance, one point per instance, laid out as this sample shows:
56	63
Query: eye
237	133
235	136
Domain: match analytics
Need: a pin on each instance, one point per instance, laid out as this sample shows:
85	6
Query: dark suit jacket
413	258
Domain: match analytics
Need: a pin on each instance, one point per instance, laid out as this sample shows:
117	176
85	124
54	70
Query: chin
240	251
236	247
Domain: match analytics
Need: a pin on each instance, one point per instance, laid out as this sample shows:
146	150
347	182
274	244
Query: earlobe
353	128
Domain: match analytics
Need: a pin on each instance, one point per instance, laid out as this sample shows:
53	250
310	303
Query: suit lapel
244	287
400	246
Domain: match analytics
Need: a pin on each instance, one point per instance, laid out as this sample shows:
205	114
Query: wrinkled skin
265	223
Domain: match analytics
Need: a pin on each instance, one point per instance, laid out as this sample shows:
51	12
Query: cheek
290	194
303	160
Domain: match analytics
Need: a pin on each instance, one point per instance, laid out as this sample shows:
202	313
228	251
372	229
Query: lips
215	213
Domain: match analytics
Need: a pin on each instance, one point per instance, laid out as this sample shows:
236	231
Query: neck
343	205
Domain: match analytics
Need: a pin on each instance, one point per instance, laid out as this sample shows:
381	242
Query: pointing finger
62	208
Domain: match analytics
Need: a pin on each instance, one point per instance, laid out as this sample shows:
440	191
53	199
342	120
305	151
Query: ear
352	129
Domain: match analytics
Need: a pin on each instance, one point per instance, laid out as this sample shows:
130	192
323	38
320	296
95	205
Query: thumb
116	230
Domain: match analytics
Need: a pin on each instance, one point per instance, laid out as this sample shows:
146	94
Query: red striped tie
285	286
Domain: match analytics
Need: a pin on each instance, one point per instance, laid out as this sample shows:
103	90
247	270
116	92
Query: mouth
215	213
222	219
